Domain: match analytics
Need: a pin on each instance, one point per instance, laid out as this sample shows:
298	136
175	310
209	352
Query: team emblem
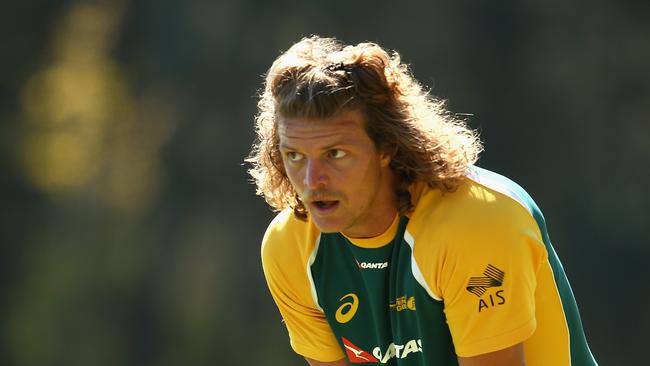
492	277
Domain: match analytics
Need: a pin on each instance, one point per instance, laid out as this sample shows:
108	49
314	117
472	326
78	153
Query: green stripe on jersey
580	352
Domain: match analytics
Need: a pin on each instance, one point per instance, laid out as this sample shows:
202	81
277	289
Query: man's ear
385	158
386	153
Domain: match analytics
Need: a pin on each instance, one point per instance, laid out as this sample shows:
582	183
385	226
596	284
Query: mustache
320	195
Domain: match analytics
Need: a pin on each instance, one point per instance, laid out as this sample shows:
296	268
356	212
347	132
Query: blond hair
321	77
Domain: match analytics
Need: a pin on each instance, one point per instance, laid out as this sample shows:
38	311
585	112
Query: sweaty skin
345	183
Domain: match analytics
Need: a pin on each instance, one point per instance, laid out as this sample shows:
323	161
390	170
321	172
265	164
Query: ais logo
492	277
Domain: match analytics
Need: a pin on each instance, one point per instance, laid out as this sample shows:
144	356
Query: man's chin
328	226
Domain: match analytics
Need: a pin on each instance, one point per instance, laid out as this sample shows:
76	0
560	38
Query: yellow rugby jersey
467	273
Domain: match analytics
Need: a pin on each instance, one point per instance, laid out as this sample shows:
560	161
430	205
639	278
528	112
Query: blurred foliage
83	131
130	232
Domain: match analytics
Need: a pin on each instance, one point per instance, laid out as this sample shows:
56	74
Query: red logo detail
356	354
358	265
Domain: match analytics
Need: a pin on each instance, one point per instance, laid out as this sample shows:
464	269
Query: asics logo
346	311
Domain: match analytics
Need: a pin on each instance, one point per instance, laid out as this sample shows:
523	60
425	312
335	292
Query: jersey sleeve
286	249
487	278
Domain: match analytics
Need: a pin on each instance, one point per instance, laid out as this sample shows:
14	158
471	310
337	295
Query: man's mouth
323	207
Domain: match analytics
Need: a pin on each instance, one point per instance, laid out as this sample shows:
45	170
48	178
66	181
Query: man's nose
315	174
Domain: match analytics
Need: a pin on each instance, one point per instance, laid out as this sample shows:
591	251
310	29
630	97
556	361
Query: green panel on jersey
384	315
580	353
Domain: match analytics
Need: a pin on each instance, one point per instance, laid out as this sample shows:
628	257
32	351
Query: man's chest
376	308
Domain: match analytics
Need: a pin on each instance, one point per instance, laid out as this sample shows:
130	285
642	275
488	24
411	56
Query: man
391	247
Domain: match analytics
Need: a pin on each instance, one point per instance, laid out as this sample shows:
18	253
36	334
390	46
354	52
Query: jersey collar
377	241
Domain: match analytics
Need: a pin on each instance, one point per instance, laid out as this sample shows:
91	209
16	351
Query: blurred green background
130	232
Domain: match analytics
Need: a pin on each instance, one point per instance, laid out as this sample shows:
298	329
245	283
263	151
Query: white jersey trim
312	285
495	185
415	269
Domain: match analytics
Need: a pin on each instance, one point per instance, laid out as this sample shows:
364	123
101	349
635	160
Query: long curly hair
321	77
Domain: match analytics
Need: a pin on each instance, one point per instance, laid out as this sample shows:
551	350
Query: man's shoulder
488	219
289	237
481	192
484	202
508	189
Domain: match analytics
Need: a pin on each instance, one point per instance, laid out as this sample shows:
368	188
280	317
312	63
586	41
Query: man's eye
336	153
294	156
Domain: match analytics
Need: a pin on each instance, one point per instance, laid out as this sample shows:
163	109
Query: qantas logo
371	265
399	351
356	354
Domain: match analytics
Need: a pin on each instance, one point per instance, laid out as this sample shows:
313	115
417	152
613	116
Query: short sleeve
488	278
286	248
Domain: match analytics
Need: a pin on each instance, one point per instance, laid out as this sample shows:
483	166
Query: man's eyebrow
342	142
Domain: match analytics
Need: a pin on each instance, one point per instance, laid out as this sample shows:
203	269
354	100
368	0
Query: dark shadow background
130	233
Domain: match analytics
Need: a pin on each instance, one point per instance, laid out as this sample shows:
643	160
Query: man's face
343	181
